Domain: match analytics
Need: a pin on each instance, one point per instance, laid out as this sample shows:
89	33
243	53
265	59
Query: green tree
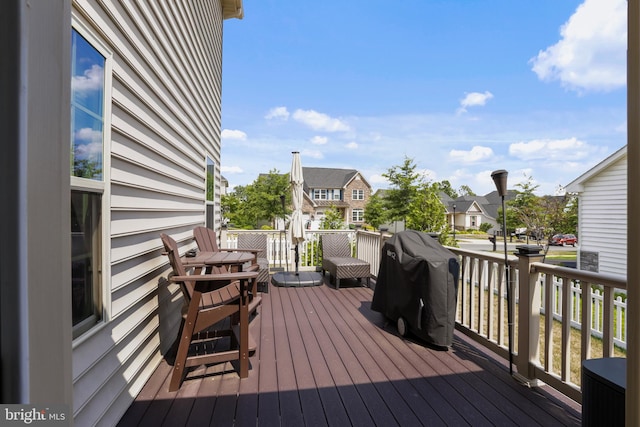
526	207
235	208
465	190
405	182
570	223
260	201
561	214
332	219
264	196
374	211
446	188
426	211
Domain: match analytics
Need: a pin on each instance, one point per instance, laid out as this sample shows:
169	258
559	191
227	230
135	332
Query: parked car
563	239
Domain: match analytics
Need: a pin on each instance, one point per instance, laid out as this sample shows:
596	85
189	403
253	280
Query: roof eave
232	9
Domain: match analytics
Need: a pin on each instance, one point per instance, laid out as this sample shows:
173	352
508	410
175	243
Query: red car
563	239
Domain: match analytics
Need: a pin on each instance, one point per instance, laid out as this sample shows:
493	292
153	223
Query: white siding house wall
165	121
603	217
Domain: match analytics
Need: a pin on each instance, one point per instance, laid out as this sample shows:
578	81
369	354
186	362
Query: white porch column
633	213
35	225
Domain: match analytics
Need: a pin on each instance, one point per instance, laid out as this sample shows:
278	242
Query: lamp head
500	180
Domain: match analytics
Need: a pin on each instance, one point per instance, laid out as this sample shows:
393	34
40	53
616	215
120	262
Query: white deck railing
482	305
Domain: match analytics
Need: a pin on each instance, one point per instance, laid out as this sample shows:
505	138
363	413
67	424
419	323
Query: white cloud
88	144
85	135
278	113
91	81
591	54
427	174
233	134
378	179
231	169
550	149
474	99
476	154
319	121
314	154
352	145
92	150
319	140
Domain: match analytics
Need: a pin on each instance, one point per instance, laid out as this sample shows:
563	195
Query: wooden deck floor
324	358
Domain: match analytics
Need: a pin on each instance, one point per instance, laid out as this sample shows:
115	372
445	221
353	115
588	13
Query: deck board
325	359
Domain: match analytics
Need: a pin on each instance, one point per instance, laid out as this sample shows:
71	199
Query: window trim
361	215
209	204
102	186
357	194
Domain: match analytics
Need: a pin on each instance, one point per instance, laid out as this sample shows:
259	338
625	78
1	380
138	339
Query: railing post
528	313
223	237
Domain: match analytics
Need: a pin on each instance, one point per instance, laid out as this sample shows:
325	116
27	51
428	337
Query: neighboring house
466	213
345	189
134	88
602	215
469	212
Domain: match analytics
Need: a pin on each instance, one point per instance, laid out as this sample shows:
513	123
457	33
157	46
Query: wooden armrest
252	250
215	277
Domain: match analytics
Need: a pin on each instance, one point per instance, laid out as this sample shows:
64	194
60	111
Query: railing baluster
548	321
491	279
501	304
607	323
481	297
585	351
565	364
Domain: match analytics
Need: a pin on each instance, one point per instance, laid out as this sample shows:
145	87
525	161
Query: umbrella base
290	279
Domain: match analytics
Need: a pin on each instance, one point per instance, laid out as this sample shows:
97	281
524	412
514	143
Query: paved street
486	245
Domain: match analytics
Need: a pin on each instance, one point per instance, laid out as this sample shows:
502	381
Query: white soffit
232	9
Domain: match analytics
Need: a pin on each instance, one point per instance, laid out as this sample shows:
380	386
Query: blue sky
464	87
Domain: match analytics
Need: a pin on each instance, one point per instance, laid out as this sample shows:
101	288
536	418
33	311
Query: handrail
566	298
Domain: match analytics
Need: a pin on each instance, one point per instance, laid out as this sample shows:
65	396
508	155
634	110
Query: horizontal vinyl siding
165	95
603	218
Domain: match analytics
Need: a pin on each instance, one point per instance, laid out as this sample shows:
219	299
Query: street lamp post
454	222
500	180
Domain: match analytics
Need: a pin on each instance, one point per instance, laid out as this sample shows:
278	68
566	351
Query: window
87	109
336	195
357	215
320	194
357	194
88	129
210	183
86	260
473	220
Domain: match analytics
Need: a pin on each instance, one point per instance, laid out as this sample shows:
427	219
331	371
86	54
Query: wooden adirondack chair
210	298
207	242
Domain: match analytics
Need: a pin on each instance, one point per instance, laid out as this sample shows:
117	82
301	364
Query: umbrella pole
286	249
297	259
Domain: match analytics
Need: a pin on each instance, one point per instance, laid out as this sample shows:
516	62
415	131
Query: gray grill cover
418	280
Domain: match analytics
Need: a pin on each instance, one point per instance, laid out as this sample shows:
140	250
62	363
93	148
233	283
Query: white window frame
357	215
99	187
357	194
318	194
209	204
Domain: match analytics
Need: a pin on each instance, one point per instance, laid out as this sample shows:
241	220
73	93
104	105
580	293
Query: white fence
597	311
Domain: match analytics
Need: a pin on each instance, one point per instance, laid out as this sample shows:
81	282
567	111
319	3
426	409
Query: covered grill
417	286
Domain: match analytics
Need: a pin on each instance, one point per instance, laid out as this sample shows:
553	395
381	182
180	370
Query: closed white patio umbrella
295	233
